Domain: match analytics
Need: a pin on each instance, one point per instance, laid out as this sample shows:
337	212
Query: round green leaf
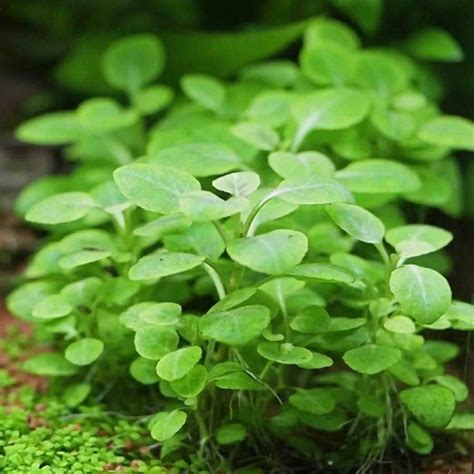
49	365
238	184
198	159
371	359
155	188
161	314
312	320
52	307
284	353
236	326
173	223
256	134
433	405
357	222
318	361
400	325
323	272
167	424
274	253
163	264
379	177
449	131
458	387
192	384
177	364
422	293
270	108
419	440
61	208
317	401
155	342
82	257
131	62
75	394
434	44
204	90
301	165
153	99
144	370
325	30
84	351
417	239
231	433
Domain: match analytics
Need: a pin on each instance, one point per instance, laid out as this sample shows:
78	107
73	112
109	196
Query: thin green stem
216	279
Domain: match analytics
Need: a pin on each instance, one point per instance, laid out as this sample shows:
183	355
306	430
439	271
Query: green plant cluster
248	254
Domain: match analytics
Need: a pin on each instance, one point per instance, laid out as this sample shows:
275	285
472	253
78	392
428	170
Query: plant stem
216	279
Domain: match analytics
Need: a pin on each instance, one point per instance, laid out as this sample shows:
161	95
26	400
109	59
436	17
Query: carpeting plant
254	263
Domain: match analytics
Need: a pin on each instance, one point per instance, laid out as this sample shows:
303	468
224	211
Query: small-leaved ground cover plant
249	254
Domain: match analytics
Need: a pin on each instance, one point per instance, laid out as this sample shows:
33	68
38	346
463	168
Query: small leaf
198	159
325	30
82	257
238	184
317	401
434	44
238	381
422	293
419	440
462	422
155	188
167	424
274	253
236	326
155	342
270	108
52	307
277	73
397	126
357	222
323	272
144	371
204	90
379	177
433	405
448	131
417	239
84	351
330	109
49	365
256	134
173	223
371	359
284	353
75	394
459	388
312	320
153	99
161	314
399	325
61	208
318	361
131	62
192	384
312	190
231	433
301	165
177	364
56	128
163	264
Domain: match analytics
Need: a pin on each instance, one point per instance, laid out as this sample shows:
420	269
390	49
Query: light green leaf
231	433
325	30
204	90
75	394
327	64
422	293
167	424
102	114
61	208
312	190
270	108
161	314
198	159
371	358
417	239
462	422
331	109
163	264
204	206
276	73
155	342
257	134
144	371
153	99
433	405
164	225
458	387
365	13
24	299
236	326
274	253
284	353
131	62
192	384
397	126
399	325
56	128
82	257
419	440
52	307
318	361
238	381
323	271
311	320
434	44
301	165
84	351
177	364
155	188
378	176
233	299
448	131
317	401
357	222
50	364
82	292
238	184
130	318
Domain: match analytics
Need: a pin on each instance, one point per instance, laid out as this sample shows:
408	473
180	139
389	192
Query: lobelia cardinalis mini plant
249	256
